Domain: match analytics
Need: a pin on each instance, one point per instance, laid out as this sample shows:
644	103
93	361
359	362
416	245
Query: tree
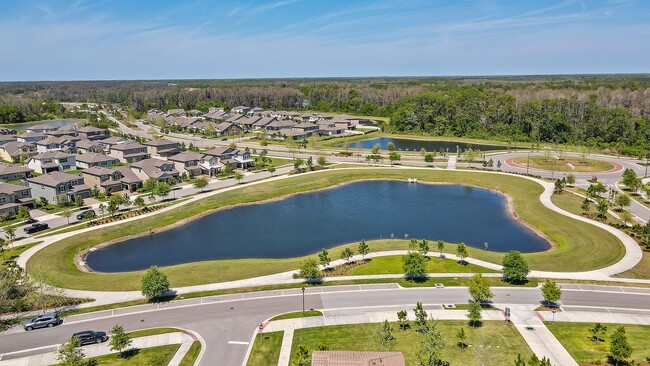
626	216
126	200
302	355
474	313
420	317
78	201
441	246
479	288
429	158
598	332
324	258
23	213
401	318
585	206
271	170
559	186
200	183
390	146
67	212
238	177
119	340
394	157
310	163
154	283
601	210
347	254
383	337
139	202
43	201
309	269
519	361
595	190
620	349
461	338
431	346
150	184
3	248
101	208
413	243
623	200
297	163
499	164
515	267
70	353
363	249
321	161
551	292
628	178
414	265
462	252
570	179
162	190
10	233
424	247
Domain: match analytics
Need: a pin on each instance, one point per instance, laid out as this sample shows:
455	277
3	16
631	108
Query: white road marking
30	349
239	342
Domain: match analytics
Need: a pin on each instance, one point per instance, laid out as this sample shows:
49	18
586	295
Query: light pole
303	301
528	162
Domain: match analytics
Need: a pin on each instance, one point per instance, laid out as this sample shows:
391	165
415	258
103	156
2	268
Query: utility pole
303	301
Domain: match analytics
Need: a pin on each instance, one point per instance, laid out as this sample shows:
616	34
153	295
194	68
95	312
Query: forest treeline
608	111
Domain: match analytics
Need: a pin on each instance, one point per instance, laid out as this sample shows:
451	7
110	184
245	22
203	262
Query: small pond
416	145
23	126
305	223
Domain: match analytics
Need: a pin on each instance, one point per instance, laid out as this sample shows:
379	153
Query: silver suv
46	320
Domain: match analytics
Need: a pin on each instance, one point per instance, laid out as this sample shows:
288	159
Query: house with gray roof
40	128
108	142
160	170
111	180
162	147
58	187
51	143
240	109
7	131
13	196
232	157
278	125
16	151
89	146
92	133
52	161
228	129
31	137
187	162
129	152
5	139
13	172
89	160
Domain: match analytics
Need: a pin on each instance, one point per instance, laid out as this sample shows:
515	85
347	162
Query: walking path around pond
95	350
540	339
633	253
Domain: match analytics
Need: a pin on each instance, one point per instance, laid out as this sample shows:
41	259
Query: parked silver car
43	321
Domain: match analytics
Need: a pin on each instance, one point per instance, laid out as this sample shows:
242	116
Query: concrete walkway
96	350
451	163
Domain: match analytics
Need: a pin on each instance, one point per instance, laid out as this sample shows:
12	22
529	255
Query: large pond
305	223
416	145
23	126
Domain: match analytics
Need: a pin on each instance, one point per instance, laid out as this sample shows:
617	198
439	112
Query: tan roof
357	358
186	156
9	188
160	142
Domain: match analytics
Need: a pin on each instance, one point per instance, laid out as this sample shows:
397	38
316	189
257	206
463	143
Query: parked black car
83	214
46	320
39	226
90	336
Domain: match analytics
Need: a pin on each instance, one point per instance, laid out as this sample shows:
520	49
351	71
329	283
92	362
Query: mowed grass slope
579	244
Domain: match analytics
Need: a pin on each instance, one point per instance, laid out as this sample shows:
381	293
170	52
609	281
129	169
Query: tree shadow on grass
129	353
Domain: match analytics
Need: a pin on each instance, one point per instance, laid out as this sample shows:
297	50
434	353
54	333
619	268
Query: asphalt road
234	318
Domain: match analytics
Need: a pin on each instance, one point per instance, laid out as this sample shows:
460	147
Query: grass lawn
500	340
153	331
12	253
393	264
575	337
641	270
266	349
297	314
160	355
561	165
582	245
192	354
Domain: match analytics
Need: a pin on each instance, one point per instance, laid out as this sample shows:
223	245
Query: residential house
4	139
306	127
255	111
52	161
7	131
129	152
13	172
58	187
104	179
130	181
17	151
31	137
210	164
108	142
51	143
241	109
245	123
161	170
232	157
235	118
357	358
217	114
278	125
92	133
187	162
330	129
67	130
89	160
290	133
13	196
89	146
228	129
162	147
41	128
262	122
176	112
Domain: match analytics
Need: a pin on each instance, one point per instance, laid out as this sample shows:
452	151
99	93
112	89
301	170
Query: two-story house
31	137
53	161
162	147
64	143
129	152
13	172
160	170
89	146
233	157
13	196
92	133
111	180
187	162
40	128
109	142
89	160
58	187
16	151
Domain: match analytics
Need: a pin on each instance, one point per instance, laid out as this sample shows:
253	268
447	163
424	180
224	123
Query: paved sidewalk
95	350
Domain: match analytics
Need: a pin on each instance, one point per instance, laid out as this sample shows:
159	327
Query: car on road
39	226
47	320
90	336
86	213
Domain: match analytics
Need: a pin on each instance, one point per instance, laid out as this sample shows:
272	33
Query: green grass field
192	354
297	314
582	245
393	264
552	164
576	338
266	349
500	341
160	355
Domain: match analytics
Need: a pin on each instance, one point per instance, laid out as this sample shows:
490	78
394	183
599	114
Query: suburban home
130	181
89	146
187	162
262	122
217	114
182	122
92	133
31	137
160	170
176	112
357	358
306	127
278	125
17	151
246	123
235	118
129	152
89	160
61	132
58	187
233	157
240	109
13	196
53	161
108	142
162	147
13	172
4	139
41	128
329	129
210	165
227	128
51	143
254	111
7	131
111	180
290	133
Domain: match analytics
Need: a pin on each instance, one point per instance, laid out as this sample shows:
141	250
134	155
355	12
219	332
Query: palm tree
10	232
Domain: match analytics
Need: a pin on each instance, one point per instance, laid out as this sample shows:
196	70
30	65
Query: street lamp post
528	163
303	301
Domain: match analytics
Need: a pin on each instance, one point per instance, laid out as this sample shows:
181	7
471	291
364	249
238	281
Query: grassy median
579	245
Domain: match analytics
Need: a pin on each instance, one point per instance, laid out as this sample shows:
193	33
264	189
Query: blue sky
163	39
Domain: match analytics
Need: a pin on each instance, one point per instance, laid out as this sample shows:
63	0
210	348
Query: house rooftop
160	142
9	169
93	158
52	155
97	171
8	188
53	179
127	146
185	156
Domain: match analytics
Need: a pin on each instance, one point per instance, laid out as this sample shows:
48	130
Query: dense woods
608	111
